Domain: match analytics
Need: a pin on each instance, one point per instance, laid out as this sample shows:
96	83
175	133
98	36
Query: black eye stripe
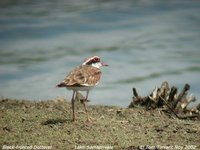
94	60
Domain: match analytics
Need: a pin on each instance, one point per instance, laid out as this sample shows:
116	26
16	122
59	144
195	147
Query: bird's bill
104	64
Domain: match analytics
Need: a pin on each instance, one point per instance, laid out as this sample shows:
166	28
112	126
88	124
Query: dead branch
181	95
172	94
165	98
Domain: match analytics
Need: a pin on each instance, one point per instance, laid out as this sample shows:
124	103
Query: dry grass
27	123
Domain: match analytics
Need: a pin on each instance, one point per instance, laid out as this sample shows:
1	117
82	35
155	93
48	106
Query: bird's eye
96	59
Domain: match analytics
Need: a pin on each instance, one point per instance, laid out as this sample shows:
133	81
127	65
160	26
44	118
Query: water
145	42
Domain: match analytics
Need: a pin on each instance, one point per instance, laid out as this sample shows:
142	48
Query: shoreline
48	123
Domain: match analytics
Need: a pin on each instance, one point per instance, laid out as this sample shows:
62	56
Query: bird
83	78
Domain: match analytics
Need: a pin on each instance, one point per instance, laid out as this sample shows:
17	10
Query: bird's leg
73	108
85	107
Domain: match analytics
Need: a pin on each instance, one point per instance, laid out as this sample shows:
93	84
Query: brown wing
84	75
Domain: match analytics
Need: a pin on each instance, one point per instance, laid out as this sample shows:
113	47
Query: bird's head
94	61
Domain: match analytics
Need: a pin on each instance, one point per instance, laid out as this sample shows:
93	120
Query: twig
169	107
172	94
181	95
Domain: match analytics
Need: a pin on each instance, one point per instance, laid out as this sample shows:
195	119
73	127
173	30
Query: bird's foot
73	120
90	120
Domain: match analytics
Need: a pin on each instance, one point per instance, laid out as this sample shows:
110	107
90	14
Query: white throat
97	64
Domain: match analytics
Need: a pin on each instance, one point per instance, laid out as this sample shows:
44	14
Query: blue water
145	42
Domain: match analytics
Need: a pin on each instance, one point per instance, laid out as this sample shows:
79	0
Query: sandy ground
47	125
